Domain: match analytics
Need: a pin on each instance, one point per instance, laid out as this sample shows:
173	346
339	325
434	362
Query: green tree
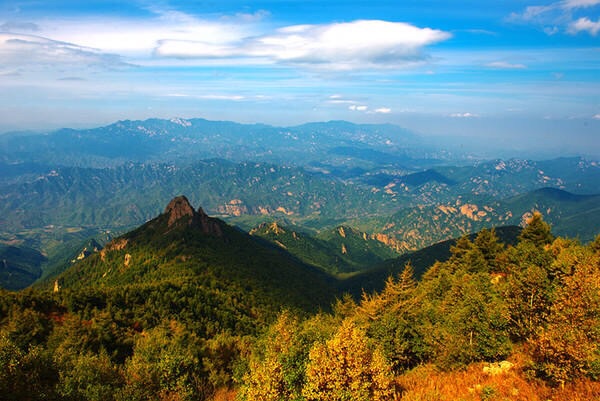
529	287
537	231
478	255
469	324
391	318
222	359
165	364
26	375
27	327
489	246
90	377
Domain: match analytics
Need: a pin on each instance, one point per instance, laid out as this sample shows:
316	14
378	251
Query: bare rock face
178	208
207	225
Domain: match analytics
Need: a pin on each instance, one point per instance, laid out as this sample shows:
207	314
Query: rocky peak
179	207
207	224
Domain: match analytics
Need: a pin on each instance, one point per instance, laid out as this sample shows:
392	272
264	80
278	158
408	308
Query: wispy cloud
365	109
383	110
562	15
29	52
506	65
463	115
596	117
14	26
72	79
209	96
570	4
339	99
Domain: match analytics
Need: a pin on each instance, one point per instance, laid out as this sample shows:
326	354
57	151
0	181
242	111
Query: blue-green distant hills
386	188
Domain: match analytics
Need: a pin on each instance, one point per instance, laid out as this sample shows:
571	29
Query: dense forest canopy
508	322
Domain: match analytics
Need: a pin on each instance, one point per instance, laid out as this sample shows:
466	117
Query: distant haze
501	75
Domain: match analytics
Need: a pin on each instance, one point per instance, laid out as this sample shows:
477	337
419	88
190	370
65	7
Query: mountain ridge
182	247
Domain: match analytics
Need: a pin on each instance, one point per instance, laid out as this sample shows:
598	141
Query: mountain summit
179	208
229	276
180	212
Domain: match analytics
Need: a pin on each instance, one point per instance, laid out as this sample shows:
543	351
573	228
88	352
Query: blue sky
525	73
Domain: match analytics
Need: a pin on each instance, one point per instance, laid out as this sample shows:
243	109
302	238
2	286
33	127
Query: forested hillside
187	308
400	192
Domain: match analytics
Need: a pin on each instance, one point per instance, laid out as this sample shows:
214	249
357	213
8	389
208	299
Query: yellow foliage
266	380
347	368
397	296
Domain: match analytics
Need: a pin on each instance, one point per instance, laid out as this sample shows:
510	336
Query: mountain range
339	196
272	265
182	141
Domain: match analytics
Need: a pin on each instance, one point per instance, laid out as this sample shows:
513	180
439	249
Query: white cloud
136	39
560	15
222	97
463	115
131	37
342	46
585	25
173	36
596	117
208	97
532	12
506	65
383	110
358	107
569	4
339	99
29	52
551	30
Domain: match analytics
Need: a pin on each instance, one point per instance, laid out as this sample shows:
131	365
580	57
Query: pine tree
537	231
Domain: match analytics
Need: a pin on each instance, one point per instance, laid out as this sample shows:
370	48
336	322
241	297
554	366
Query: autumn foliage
490	323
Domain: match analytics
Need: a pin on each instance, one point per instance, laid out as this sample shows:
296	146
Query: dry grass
224	395
426	383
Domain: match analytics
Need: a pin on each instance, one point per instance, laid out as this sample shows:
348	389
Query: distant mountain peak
180	212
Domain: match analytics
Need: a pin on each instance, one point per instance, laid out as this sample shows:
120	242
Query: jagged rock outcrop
268	228
180	211
208	225
179	208
91	248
